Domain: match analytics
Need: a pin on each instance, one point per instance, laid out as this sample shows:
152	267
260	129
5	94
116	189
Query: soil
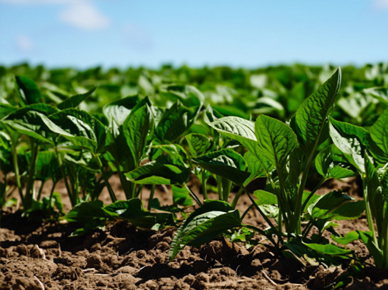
36	255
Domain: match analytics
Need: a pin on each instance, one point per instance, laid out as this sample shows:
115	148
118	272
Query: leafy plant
367	151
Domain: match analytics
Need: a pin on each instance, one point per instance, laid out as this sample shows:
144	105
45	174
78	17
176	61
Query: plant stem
193	195
312	193
31	174
110	190
204	189
307	228
219	188
51	193
69	192
261	232
384	238
246	211
368	211
151	196
298	208
40	189
261	212
16	168
237	197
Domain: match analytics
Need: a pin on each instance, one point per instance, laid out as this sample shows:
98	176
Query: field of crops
183	178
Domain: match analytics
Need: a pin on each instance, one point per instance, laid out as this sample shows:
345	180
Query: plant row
145	144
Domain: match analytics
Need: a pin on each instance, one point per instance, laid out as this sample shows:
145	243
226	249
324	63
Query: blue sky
239	33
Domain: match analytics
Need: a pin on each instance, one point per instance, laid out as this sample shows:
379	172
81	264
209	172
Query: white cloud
82	14
78	13
24	43
381	4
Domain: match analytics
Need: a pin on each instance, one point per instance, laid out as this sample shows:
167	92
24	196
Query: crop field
194	178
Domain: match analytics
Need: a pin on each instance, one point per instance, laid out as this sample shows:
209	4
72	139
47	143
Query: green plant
367	151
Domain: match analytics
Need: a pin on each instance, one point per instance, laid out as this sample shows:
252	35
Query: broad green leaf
47	166
379	132
188	95
348	238
225	163
204	224
336	205
242	131
28	91
325	205
312	114
312	199
120	109
6	109
74	101
351	140
6	164
137	128
86	211
198	144
80	128
40	107
30	123
166	169
276	140
255	167
265	197
331	163
181	196
118	151
329	249
380	93
175	150
374	249
133	211
175	121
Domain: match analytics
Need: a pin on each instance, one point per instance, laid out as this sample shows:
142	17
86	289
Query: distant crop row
281	125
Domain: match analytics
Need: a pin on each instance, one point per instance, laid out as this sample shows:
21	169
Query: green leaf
74	101
80	128
175	121
265	197
351	140
348	238
47	166
336	205
119	110
133	211
198	144
328	249
28	91
276	140
86	211
119	152
312	114
225	163
6	109
30	123
379	132
331	163
380	93
374	249
137	128
181	196
242	131
166	169
204	224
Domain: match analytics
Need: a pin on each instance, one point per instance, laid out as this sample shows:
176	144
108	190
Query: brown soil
43	256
